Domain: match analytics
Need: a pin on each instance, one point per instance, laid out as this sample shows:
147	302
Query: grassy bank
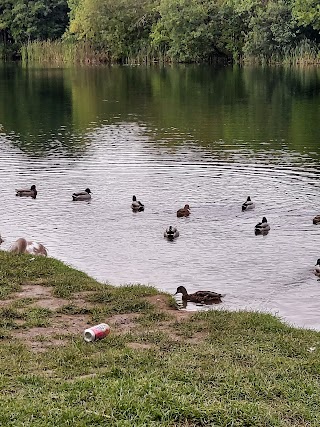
158	367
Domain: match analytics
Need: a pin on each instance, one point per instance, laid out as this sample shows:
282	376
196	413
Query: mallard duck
183	211
317	268
22	246
316	219
136	205
262	227
248	204
201	297
25	192
171	233
82	195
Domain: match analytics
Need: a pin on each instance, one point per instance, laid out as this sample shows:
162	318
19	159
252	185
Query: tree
189	30
37	20
120	28
307	12
271	29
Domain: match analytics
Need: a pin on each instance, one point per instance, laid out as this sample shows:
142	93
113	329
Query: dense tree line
174	30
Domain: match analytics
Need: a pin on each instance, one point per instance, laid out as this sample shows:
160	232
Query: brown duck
201	297
183	211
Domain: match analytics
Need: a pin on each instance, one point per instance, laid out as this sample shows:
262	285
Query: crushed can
96	332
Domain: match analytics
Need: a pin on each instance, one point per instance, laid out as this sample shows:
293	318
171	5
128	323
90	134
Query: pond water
204	136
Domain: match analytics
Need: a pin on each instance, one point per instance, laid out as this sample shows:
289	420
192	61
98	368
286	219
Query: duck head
87	190
134	199
181	290
318	260
264	219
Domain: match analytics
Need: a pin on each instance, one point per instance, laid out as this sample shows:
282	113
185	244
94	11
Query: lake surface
204	136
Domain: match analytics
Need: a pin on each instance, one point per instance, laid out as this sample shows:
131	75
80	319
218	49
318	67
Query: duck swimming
317	268
171	233
25	192
201	297
262	227
183	211
136	205
316	219
22	246
248	204
82	195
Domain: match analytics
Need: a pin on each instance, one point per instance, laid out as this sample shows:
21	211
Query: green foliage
22	21
271	30
120	28
307	12
191	31
167	30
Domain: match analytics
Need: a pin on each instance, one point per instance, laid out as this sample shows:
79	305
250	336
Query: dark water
199	135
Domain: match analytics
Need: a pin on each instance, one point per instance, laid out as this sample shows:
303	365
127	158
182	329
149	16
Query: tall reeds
60	52
66	52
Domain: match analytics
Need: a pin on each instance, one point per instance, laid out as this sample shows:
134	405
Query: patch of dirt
63	326
34	291
123	322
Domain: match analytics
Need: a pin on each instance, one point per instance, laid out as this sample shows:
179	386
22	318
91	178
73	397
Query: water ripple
217	248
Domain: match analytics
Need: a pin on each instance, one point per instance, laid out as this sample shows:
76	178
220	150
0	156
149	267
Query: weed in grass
37	317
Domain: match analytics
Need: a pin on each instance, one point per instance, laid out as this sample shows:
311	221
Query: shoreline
158	366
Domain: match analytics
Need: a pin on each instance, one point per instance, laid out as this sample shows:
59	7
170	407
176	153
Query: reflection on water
201	136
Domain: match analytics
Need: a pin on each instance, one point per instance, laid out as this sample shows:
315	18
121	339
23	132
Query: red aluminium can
96	332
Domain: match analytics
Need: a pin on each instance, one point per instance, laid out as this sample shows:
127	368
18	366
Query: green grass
212	368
